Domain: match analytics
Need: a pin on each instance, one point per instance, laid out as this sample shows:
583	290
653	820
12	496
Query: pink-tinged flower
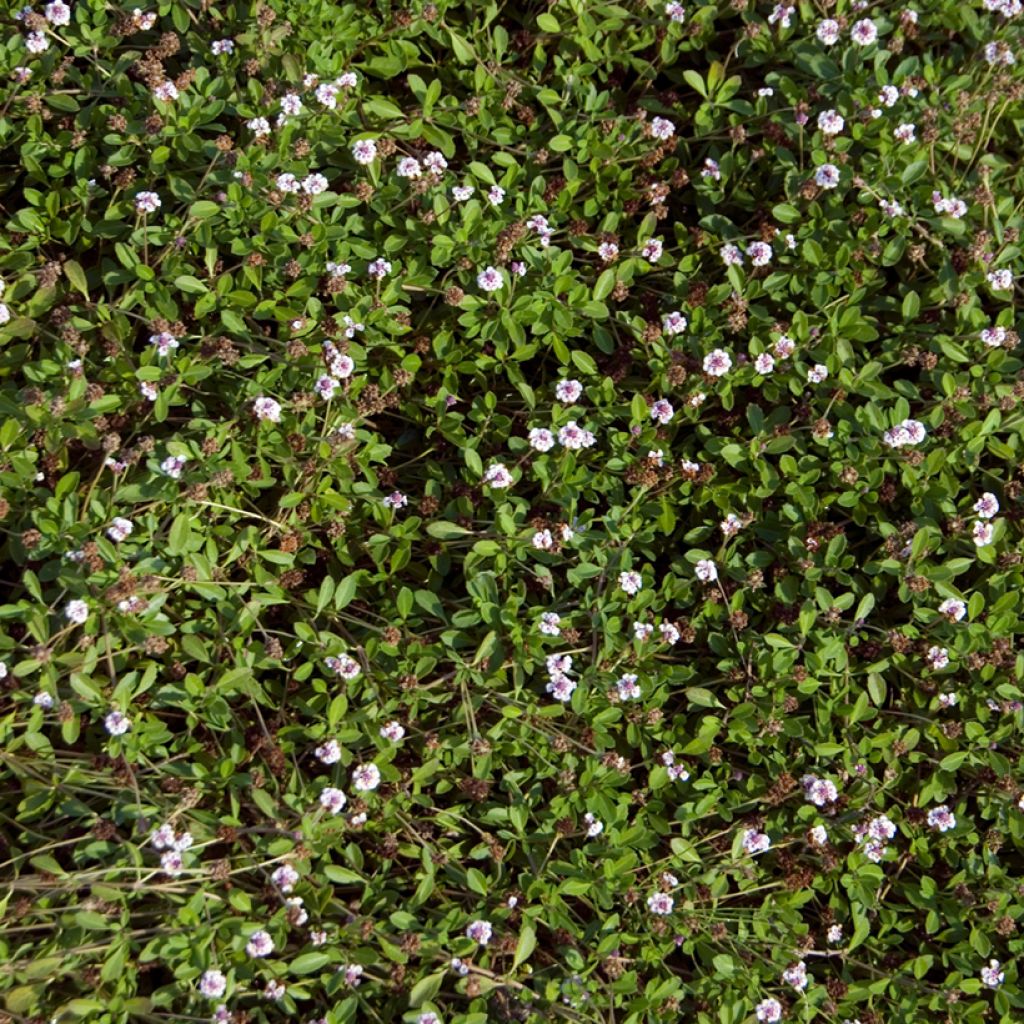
76	612
627	687
981	534
489	279
57	13
343	665
274	991
796	975
147	202
993	337
460	193
953	608
497	476
608	251
827	176
317	937
890	208
1000	52
325	387
285	877
550	624
168	91
817	373
676	12
951	207
396	500
435	163
819	792
864	32
755	842
760	254
661	128
329	752
541	439
219	46
143	20
784	347
834	934
830	122
764	364
904	133
568	391
480	932
164	343
731	525
710	169
172	863
365	777
116	723
287	183
347	80
333	799
36	42
669	634
353	974
291	105
941	818
409	168
768	1011
542	540
266	409
327	94
717	363
428	1018
652	250
631	582
987	505
937	657
379	268
1001	280
992	976
22	74
364	151
660	903
213	984
706	570
560	686
120	529
674	323
518	268
393	731
662	411
828	32
495	195
173	465
731	255
314	184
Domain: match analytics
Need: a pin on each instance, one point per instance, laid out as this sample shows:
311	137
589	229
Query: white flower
982	534
497	476
835	934
674	323
314	184
219	46
76	612
408	167
830	122
379	268
764	364
260	944
435	163
987	505
828	32
287	183
36	42
594	826
332	799
167	91
660	903
864	32
489	279
549	624
291	104
329	752
568	391
760	253
662	411
364	151
937	657
344	666
827	176
652	250
706	570
888	96
796	975
817	373
480	932
173	465
57	13
462	192
941	818
116	723
631	582
266	409
119	529
541	439
365	777
731	255
1001	280
661	128
213	984
285	877
953	608
717	363
904	133
755	842
147	202
396	499
393	731
495	194
768	1011
992	976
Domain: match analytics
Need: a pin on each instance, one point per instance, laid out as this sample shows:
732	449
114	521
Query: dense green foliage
511	512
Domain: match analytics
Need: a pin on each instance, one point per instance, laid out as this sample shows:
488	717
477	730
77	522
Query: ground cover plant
511	512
